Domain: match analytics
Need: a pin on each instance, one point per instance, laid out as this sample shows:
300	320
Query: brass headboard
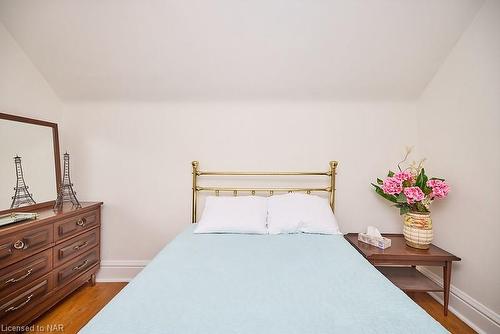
217	190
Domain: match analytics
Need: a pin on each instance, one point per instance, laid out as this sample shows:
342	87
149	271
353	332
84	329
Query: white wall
459	133
136	158
23	90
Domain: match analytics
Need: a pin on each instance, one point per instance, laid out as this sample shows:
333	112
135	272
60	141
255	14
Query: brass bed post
195	194
333	172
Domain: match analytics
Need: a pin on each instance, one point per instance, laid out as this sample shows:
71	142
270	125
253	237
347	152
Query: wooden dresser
44	260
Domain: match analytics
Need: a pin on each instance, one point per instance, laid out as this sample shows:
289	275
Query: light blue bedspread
257	284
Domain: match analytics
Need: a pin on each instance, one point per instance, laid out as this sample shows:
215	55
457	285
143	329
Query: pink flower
413	194
392	186
403	176
439	188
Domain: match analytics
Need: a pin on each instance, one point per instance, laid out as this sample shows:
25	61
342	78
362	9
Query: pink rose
413	194
392	186
403	176
439	188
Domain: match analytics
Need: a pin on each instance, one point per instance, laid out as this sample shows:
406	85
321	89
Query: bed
243	283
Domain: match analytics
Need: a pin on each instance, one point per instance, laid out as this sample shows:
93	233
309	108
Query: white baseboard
473	313
119	271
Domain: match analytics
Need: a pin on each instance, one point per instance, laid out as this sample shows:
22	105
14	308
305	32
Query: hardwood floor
76	310
452	323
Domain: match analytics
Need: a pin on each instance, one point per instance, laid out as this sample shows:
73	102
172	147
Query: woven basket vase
417	229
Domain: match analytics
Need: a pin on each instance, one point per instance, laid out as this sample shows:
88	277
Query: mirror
29	163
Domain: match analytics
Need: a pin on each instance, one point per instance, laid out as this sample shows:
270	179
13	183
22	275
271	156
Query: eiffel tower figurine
66	192
21	196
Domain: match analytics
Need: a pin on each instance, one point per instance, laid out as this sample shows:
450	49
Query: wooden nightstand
398	263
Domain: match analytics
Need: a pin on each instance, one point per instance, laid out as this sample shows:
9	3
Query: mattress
235	283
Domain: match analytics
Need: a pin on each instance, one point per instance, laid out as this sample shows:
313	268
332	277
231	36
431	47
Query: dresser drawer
75	246
23	272
75	267
76	224
16	304
22	244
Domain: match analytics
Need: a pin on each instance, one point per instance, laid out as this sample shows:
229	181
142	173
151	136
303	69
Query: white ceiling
154	50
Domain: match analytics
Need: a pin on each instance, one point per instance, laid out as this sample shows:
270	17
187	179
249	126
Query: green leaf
390	174
388	197
424	180
404	209
379	181
421	180
421	207
427	190
401	198
436	178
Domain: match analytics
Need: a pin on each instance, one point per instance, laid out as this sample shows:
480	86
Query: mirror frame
57	159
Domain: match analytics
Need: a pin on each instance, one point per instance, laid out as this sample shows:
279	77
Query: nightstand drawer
23	244
23	272
75	246
76	266
77	224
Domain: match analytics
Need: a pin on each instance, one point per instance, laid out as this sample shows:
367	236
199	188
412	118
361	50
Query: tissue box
379	242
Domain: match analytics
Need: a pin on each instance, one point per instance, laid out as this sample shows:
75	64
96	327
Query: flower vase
417	229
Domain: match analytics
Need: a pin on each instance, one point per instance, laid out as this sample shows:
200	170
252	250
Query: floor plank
76	310
451	322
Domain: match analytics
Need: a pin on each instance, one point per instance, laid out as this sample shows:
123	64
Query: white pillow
224	214
293	213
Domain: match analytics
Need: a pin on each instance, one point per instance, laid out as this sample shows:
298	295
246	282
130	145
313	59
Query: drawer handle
13	308
15	280
19	244
77	247
81	265
81	222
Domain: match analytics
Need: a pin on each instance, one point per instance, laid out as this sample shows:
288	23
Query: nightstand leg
92	280
446	285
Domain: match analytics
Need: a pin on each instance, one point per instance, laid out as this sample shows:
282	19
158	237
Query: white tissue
373	237
373	231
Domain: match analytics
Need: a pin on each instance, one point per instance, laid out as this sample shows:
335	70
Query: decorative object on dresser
412	192
66	192
44	259
398	263
22	196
